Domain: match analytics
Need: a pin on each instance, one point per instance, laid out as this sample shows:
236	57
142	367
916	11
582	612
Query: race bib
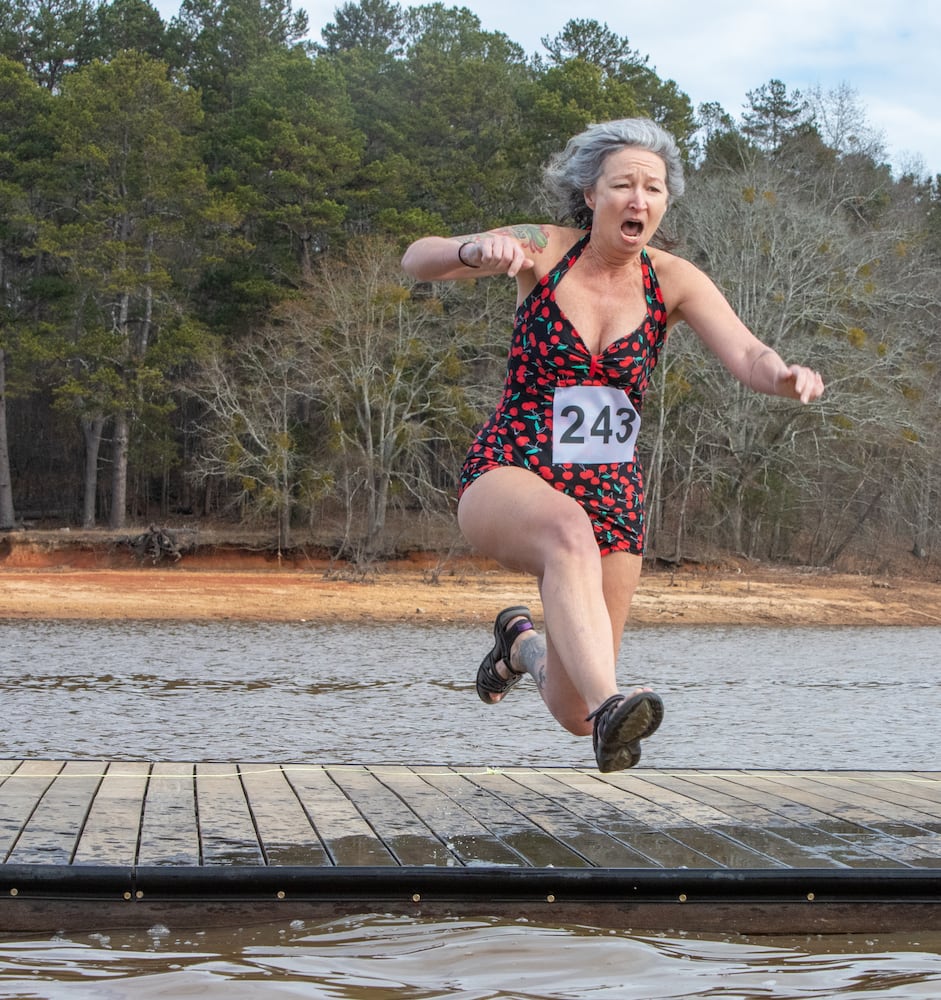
593	425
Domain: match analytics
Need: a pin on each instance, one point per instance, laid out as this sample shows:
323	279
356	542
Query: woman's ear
589	196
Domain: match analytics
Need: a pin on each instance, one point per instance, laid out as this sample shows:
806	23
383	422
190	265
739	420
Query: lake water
736	697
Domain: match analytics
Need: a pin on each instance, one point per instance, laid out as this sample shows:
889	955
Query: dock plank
20	794
794	844
460	830
533	845
169	834
284	828
915	833
824	842
732	843
645	827
227	833
592	837
895	798
854	795
112	828
689	823
520	789
348	838
909	823
51	833
866	844
922	791
410	840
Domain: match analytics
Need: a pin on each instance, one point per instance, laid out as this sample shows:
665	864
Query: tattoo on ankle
531	656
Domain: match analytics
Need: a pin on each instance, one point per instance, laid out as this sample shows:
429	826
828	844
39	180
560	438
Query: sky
887	54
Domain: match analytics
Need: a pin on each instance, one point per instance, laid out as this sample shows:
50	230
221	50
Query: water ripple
381	958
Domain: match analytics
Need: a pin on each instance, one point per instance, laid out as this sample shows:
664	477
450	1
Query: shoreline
465	593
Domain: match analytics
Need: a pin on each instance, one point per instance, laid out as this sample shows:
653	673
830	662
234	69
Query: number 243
603	427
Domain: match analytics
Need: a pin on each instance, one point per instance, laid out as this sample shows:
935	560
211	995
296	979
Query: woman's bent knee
573	537
568	709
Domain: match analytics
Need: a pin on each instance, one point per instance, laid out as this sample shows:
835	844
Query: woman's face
630	197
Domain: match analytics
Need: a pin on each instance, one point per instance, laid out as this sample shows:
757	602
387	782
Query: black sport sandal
489	682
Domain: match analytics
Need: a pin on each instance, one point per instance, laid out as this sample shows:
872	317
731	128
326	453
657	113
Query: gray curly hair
570	173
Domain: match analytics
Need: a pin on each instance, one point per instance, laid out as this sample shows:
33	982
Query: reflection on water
736	697
381	958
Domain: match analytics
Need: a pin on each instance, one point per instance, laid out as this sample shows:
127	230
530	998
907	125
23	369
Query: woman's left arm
691	296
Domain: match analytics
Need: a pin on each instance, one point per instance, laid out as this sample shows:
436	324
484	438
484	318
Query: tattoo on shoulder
534	237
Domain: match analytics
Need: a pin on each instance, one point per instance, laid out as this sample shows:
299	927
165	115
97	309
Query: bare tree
252	399
363	390
840	119
389	370
790	252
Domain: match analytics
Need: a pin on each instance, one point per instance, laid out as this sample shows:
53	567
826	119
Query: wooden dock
94	844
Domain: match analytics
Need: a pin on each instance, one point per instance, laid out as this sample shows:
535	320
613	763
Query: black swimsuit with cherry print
546	355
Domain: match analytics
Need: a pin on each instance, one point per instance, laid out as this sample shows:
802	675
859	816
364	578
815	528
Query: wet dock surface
761	850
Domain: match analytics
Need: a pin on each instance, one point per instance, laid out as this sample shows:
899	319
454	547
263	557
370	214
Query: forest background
203	317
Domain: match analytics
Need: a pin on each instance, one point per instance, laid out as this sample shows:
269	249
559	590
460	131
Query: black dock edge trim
383	884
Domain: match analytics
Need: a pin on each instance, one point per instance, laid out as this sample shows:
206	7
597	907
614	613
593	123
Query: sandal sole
633	720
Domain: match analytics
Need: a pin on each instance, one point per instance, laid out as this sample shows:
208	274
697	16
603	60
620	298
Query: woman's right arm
500	251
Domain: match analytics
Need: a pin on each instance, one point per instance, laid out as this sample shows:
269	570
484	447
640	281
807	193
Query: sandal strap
490	681
511	634
507	634
603	708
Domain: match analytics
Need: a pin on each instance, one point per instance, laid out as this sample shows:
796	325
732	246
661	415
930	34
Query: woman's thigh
513	516
516	518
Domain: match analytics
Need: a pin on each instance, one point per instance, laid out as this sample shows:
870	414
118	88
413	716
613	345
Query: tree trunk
284	509
654	511
92	429
119	447
7	513
376	507
921	527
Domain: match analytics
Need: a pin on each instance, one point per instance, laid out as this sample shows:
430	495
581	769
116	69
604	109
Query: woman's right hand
496	253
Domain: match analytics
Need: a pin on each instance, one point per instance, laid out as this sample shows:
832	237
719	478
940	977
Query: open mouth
631	227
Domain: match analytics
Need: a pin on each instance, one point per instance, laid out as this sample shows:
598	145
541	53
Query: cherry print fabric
546	351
